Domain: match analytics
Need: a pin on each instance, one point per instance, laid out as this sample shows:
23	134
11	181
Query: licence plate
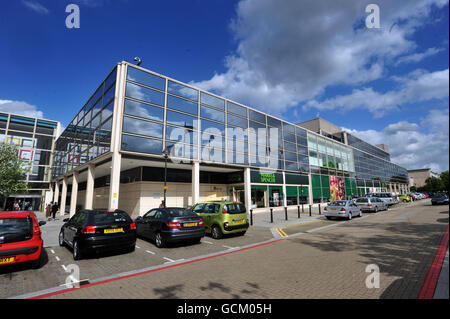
362	205
240	221
6	260
190	224
333	209
115	230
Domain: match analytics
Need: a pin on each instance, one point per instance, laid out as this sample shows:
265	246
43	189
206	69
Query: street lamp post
166	153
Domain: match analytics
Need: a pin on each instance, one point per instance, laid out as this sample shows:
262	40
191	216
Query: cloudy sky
297	59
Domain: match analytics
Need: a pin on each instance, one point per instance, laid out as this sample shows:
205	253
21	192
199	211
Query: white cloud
417	57
20	107
415	145
290	53
418	86
36	7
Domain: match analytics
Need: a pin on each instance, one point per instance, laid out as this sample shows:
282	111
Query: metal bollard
303	209
309	210
320	210
298	211
251	217
271	215
285	213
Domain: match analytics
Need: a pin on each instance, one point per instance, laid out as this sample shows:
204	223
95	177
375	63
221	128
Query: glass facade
89	133
34	139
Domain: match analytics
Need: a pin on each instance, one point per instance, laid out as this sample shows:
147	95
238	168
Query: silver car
388	198
371	204
342	208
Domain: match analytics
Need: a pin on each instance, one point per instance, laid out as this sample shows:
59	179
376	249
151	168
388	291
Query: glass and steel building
35	139
111	154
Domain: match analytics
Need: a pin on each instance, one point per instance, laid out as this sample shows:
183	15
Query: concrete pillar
284	190
310	194
114	183
74	193
247	189
56	192
62	205
89	200
195	182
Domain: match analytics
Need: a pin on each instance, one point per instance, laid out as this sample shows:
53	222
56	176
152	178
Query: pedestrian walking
16	206
54	209
48	210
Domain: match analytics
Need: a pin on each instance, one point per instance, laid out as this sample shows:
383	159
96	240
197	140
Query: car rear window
337	203
362	200
181	212
15	229
107	218
235	208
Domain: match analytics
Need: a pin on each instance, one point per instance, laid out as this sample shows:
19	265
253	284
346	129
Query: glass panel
182	120
237	121
144	94
236	109
141	144
213	127
143	110
273	122
146	78
21	123
256	116
182	105
181	90
212	114
181	135
212	100
135	126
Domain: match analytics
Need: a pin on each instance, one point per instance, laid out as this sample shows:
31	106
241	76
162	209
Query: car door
145	222
211	212
71	229
199	210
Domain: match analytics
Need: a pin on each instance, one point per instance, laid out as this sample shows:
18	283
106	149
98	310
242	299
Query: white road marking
229	247
170	260
138	246
52	251
57	258
64	267
150	252
207	242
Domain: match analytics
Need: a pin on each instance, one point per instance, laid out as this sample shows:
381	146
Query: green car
222	217
404	198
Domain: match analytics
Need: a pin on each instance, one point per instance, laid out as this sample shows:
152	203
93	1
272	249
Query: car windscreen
180	212
362	200
440	195
108	218
339	203
15	229
236	208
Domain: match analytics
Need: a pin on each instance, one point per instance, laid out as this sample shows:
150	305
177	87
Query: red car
20	238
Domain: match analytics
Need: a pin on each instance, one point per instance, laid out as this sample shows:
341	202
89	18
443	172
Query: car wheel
159	241
61	238
76	251
376	209
216	232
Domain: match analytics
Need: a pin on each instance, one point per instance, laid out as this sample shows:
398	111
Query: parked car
222	217
404	198
372	204
164	225
440	199
98	231
20	238
342	208
388	198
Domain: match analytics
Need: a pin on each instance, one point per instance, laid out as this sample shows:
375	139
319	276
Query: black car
440	199
173	224
98	231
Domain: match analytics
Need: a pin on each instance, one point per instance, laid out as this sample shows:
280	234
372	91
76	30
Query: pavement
50	230
306	257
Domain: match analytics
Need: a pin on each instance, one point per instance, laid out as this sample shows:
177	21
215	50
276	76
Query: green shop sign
266	177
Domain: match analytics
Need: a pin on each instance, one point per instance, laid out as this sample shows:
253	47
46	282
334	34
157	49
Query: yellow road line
307	223
280	232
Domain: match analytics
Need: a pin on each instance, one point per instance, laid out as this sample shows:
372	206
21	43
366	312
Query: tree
12	172
433	184
445	179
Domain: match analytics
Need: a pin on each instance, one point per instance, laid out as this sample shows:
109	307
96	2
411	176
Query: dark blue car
439	199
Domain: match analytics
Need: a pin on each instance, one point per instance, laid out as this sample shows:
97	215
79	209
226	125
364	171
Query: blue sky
297	61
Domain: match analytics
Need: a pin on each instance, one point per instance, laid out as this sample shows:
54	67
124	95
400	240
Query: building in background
111	155
419	176
35	139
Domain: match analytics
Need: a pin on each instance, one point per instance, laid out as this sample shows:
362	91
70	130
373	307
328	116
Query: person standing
54	210
48	210
16	206
162	205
